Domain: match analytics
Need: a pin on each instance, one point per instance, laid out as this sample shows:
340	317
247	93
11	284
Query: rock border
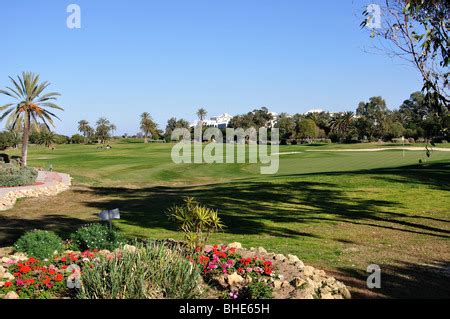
50	184
294	280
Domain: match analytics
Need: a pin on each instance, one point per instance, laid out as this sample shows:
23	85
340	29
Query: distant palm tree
29	107
47	138
201	113
341	123
113	129
148	126
103	129
83	127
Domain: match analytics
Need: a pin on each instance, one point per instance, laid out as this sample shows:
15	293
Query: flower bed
226	272
25	277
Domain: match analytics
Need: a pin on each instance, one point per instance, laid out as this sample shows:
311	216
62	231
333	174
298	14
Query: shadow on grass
403	280
11	227
435	175
264	207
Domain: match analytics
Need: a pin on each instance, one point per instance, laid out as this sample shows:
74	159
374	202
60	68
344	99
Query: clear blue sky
171	57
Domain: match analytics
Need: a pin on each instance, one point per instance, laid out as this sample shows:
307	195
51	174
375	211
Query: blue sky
171	57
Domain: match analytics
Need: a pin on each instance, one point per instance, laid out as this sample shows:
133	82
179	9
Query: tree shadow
261	207
435	175
403	280
11	228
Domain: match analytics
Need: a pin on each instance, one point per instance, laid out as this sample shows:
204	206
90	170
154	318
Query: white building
219	121
313	111
274	120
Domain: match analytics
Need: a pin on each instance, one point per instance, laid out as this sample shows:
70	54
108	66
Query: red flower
64	259
267	271
25	269
59	277
203	259
8	284
268	263
17	274
240	270
32	260
29	281
232	251
64	267
46	280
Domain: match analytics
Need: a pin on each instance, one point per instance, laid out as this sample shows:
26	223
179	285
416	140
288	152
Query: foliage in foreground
196	221
43	278
218	260
150	272
12	175
39	244
257	290
96	236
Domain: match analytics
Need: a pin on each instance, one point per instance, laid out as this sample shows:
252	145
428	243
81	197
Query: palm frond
19	88
5	114
4	107
52	105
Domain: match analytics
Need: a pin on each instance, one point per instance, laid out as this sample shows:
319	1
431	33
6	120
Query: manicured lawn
337	210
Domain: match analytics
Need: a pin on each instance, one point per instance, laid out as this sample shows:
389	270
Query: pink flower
19	282
259	269
212	266
249	269
10	262
234	294
230	262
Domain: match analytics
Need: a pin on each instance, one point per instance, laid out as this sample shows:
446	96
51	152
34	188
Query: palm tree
148	126
103	129
201	113
342	123
29	106
47	138
84	128
113	128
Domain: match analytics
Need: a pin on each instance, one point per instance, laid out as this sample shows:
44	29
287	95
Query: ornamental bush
96	236
11	175
40	244
197	222
150	272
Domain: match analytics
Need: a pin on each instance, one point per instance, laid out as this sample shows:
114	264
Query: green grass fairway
340	211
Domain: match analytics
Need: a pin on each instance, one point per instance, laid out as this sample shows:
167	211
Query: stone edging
51	184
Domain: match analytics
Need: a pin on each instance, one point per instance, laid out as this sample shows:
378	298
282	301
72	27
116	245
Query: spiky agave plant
197	222
29	107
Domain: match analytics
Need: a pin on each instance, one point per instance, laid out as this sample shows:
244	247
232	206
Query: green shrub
77	139
151	272
257	290
96	236
11	175
9	139
39	244
196	221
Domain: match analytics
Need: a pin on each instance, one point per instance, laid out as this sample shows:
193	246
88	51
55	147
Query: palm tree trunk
145	139
25	136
